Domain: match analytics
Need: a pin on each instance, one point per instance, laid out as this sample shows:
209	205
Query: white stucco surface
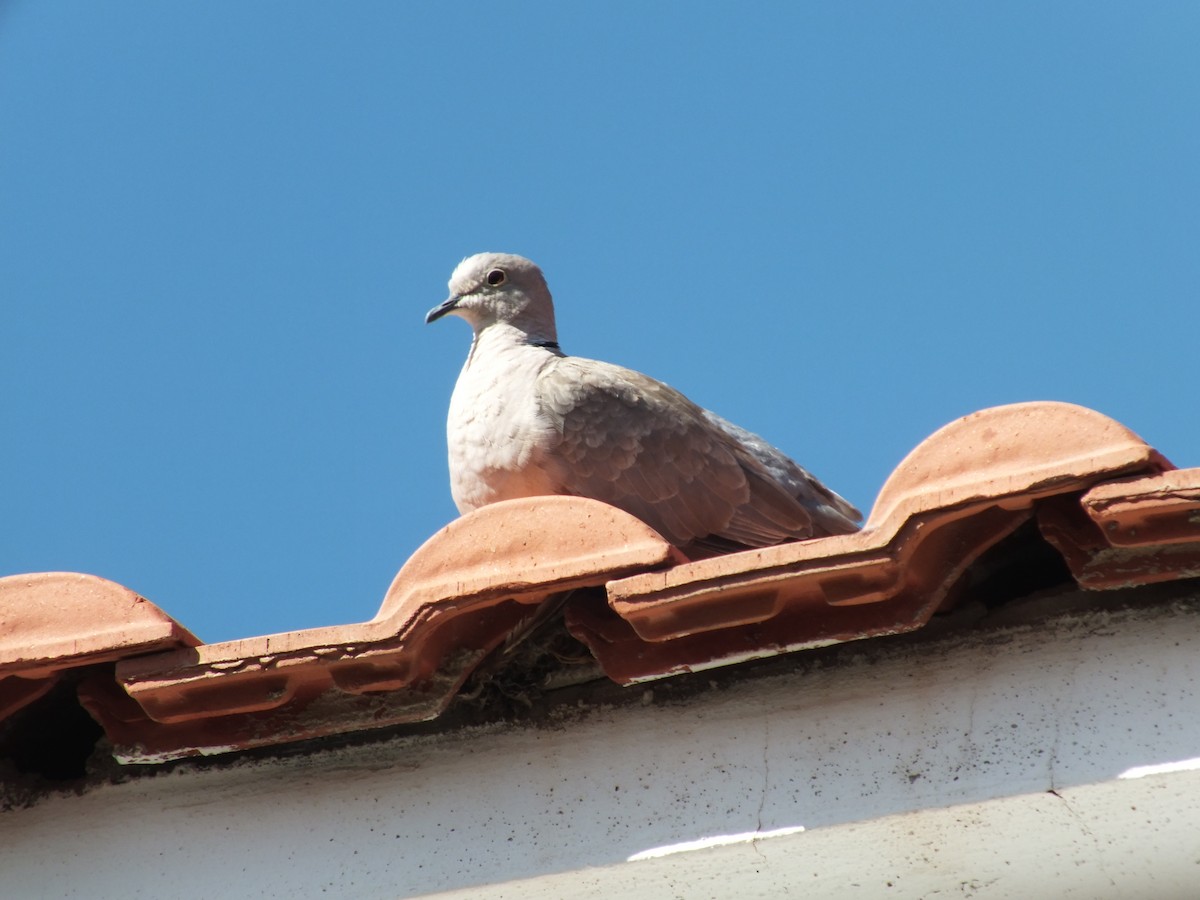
1056	760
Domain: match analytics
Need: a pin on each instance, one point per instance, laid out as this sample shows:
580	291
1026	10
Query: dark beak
442	308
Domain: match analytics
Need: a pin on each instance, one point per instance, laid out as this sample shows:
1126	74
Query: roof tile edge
60	620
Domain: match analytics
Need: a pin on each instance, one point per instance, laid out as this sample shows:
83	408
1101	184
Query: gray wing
832	513
643	447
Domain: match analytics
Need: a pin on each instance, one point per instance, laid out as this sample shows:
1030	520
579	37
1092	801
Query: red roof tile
53	621
453	602
1113	507
1161	509
17	692
1129	532
57	620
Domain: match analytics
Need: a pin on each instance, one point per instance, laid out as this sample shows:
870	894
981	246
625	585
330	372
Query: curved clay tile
1011	450
454	601
57	620
1130	532
51	621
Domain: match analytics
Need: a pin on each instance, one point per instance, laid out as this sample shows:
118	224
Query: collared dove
527	420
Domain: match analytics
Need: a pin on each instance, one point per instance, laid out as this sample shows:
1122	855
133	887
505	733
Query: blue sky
841	225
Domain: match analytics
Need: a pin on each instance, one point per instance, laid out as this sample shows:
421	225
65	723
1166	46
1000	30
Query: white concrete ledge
1083	842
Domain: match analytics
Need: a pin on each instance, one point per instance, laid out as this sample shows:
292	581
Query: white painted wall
914	772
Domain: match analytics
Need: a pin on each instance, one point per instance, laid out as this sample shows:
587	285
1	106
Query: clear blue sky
841	225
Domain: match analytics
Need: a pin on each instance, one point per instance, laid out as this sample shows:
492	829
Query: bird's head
491	288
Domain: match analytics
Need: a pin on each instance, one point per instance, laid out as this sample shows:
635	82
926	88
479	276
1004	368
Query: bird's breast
497	436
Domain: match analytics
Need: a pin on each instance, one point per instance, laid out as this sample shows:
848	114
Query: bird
528	420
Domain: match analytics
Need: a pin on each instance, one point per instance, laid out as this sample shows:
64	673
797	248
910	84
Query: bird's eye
496	277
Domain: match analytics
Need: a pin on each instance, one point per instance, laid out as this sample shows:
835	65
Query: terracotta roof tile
57	620
54	621
17	692
1110	504
1129	532
1161	509
454	601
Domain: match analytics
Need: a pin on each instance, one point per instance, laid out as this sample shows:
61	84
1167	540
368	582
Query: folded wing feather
640	445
